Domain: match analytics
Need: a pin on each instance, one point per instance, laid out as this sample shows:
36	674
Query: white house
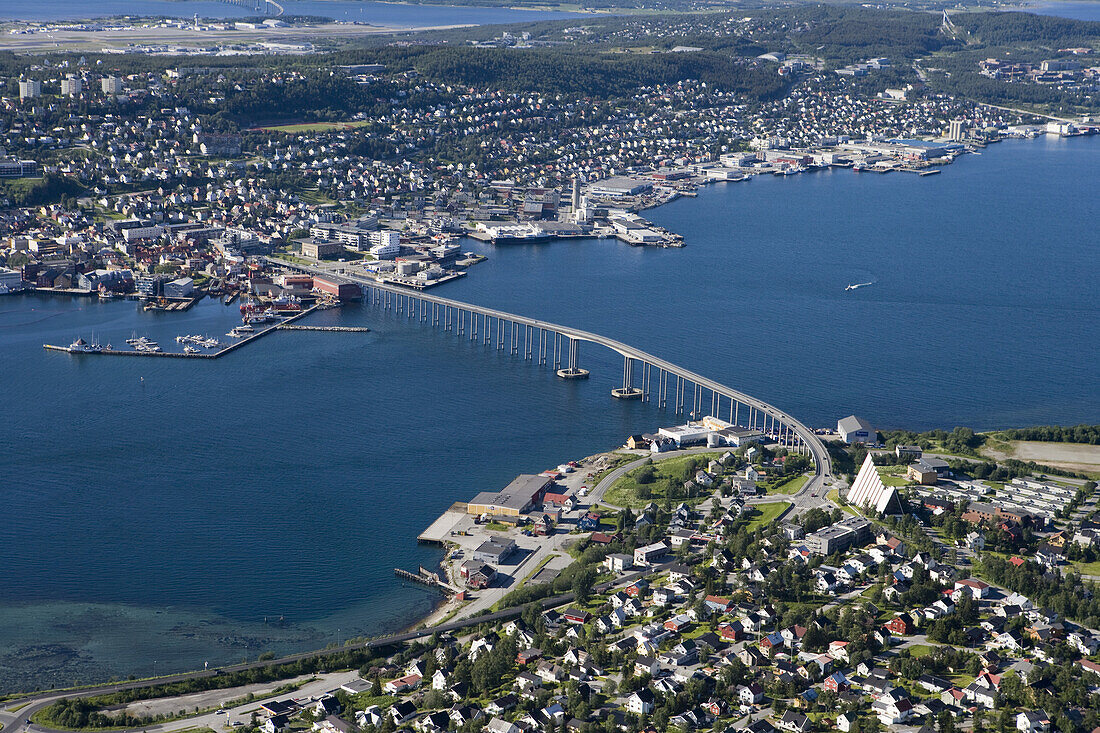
641	702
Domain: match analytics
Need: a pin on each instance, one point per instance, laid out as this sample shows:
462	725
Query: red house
900	625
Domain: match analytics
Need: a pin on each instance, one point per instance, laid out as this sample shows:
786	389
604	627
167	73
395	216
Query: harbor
144	347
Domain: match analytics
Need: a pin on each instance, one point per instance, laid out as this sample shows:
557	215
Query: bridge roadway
783	428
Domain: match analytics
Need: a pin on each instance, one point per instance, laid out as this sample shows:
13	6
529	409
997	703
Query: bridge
645	377
260	7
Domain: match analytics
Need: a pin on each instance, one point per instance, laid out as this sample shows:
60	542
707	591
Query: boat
286	303
241	331
856	286
209	343
80	346
189	349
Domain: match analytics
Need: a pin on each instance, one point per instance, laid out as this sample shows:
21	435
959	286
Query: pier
645	377
424	577
342	329
284	326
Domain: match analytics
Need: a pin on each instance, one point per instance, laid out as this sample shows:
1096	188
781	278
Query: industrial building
494	550
181	288
616	187
525	492
854	429
342	289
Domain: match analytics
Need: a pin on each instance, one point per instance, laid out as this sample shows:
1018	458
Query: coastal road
15	721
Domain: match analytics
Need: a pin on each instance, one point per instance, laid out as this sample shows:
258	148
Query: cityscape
633	367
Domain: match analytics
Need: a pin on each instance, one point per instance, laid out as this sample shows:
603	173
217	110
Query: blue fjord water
160	513
385	14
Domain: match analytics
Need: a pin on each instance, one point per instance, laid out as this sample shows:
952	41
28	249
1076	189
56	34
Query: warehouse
342	289
494	550
619	187
181	288
525	492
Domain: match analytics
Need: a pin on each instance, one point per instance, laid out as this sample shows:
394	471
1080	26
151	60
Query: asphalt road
20	720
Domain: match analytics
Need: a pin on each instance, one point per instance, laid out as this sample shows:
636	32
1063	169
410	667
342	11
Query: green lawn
625	491
834	496
317	126
764	514
1087	568
921	650
890	476
790	487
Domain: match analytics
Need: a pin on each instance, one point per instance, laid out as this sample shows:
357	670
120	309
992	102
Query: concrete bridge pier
628	391
573	371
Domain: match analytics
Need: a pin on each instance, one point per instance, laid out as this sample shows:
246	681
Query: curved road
20	720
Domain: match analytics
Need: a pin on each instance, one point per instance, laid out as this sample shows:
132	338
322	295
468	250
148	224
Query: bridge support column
628	391
645	381
557	351
573	371
526	342
542	346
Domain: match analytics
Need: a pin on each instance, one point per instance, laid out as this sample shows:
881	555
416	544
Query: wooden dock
423	576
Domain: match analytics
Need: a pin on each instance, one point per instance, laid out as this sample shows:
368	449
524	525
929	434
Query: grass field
317	126
791	487
892	477
921	650
1087	568
764	514
624	492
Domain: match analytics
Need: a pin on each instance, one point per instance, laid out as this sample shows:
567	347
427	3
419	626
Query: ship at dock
515	234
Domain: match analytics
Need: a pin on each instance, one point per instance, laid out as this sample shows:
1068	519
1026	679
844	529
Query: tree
582	583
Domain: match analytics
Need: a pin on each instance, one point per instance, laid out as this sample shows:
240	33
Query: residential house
641	702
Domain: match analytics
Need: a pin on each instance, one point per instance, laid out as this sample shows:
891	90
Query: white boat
189	349
856	286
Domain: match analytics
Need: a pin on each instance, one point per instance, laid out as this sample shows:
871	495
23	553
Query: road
19	720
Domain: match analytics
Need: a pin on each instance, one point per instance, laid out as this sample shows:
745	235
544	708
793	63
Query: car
814	494
223	711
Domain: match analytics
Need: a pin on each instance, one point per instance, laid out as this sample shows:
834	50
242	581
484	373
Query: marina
143	347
